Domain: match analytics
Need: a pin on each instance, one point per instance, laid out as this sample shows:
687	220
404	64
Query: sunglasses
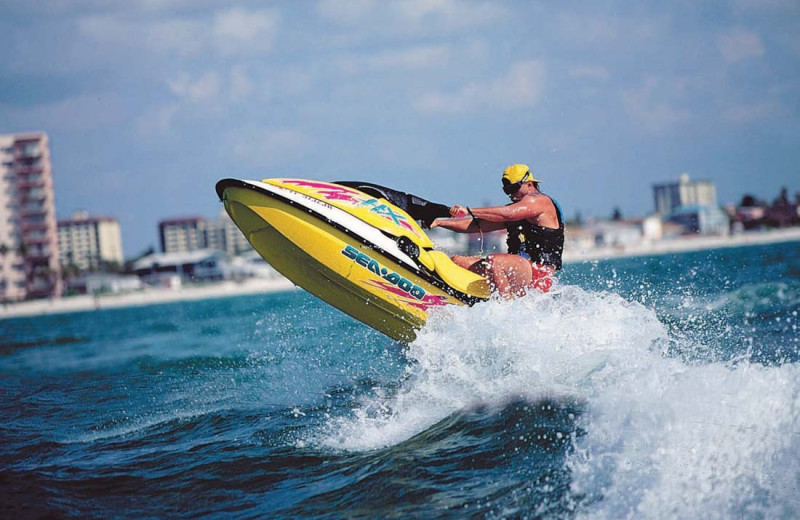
510	188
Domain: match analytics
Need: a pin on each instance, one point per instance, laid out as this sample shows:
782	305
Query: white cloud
739	44
449	13
419	57
521	87
269	148
230	32
149	6
346	13
411	15
179	35
207	95
157	121
594	29
242	31
648	104
203	89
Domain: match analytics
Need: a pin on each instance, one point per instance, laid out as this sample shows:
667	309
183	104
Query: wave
748	300
8	346
757	322
663	438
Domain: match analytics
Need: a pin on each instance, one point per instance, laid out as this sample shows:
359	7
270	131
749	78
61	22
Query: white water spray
664	439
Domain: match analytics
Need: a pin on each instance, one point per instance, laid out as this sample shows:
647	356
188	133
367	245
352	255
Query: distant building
248	265
783	212
705	220
89	243
671	196
579	239
445	240
747	217
652	227
199	265
468	243
183	234
29	265
193	233
97	283
613	233
693	205
234	242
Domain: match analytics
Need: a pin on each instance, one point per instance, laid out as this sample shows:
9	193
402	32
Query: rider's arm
466	225
526	208
492	218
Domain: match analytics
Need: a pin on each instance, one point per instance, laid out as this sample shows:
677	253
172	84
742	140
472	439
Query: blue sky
149	102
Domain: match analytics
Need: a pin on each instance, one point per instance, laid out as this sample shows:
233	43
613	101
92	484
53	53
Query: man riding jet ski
535	226
358	247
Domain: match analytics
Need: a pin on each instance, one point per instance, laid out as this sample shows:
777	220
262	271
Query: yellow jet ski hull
334	244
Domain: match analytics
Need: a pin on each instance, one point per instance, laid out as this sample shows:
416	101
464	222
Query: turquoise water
660	387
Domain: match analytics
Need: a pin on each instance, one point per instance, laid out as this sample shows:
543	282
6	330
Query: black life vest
543	245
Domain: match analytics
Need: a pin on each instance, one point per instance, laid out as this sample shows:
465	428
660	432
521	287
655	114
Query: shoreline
226	289
149	296
685	245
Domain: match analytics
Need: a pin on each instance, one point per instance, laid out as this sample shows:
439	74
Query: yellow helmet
518	173
515	176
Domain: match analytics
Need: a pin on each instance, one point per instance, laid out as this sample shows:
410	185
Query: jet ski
355	245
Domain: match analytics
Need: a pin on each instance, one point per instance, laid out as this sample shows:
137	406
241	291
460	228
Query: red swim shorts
542	277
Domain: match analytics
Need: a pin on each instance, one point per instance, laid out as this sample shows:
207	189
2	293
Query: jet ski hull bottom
335	266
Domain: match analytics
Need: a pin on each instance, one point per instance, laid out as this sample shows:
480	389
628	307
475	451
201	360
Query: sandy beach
685	244
151	296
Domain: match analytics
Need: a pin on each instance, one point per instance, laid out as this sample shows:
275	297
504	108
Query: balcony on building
32	181
24	170
28	148
33	211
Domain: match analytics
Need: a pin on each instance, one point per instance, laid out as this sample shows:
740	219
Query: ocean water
659	387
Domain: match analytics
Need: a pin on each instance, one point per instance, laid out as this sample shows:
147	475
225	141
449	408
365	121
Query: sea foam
664	439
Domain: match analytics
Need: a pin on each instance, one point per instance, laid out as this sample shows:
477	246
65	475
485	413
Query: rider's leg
509	275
